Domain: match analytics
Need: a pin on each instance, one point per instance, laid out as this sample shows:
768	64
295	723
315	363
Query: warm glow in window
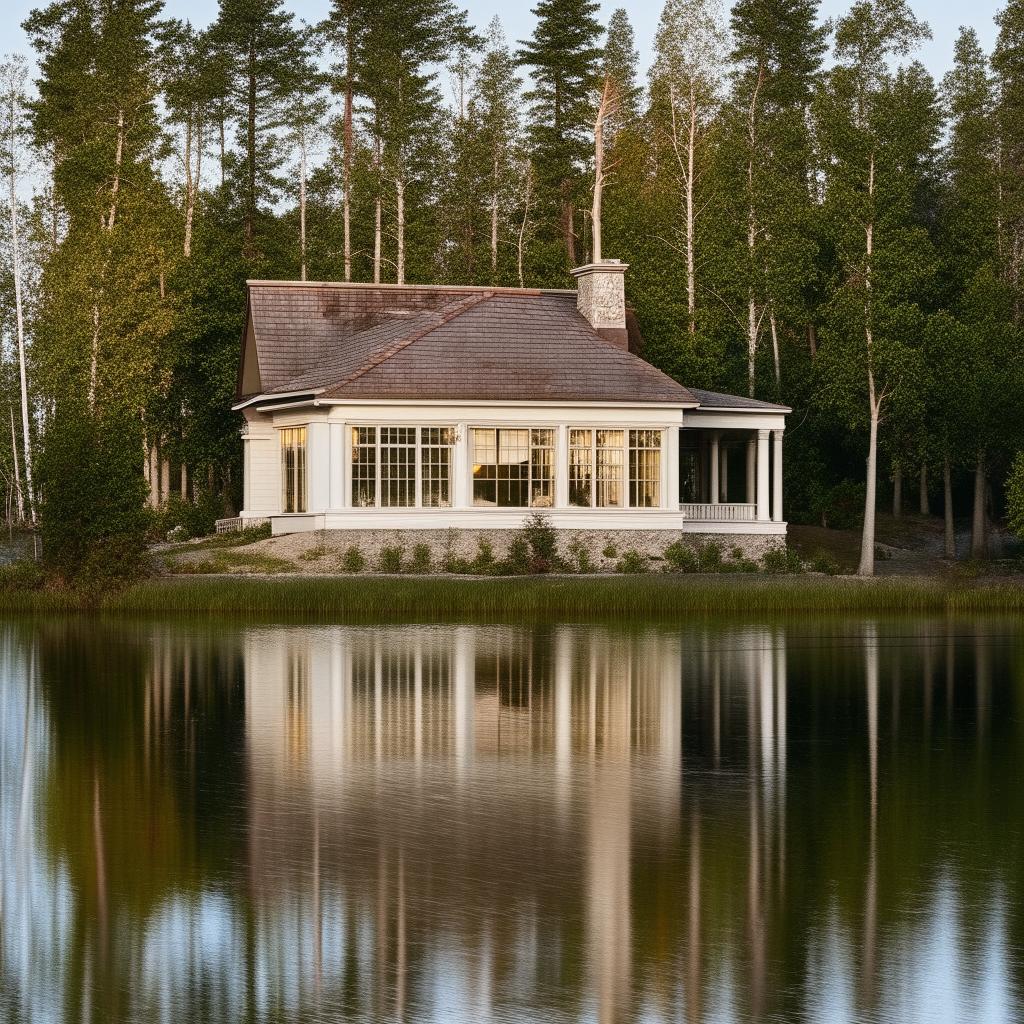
644	468
293	469
513	467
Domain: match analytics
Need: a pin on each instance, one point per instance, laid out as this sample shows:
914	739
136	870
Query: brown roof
486	344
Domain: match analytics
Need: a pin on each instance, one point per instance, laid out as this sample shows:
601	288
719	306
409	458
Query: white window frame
625	430
353	446
529	428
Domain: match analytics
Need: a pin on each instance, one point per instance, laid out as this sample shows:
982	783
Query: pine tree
264	61
619	63
564	59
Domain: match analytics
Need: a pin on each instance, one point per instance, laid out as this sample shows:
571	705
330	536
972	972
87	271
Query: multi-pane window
644	468
513	467
293	469
402	467
596	462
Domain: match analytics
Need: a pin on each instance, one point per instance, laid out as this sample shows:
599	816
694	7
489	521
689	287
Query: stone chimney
601	298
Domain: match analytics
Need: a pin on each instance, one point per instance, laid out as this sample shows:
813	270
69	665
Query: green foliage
610	550
391	558
821	561
422	559
579	557
93	514
842	507
353	560
1015	496
632	562
781	560
680	557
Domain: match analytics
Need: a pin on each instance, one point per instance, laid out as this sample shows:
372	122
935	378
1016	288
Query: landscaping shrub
353	560
422	559
610	550
680	557
579	556
542	539
779	561
517	560
485	562
390	559
822	561
631	562
709	557
93	510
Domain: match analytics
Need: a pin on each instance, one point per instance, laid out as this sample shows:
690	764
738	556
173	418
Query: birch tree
13	160
882	253
686	88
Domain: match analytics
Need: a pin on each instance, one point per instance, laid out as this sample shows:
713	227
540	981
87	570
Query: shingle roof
366	341
717	400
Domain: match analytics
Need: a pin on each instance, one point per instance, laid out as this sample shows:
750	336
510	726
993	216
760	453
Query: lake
721	821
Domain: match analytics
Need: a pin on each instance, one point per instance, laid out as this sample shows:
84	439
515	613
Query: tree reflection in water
718	822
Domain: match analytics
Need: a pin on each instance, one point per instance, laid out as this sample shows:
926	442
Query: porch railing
722	513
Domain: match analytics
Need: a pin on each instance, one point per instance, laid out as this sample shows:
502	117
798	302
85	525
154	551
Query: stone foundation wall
604	547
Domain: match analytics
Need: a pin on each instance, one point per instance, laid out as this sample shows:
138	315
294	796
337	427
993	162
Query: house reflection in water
476	795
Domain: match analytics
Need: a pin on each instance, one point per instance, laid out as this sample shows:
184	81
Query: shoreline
661	597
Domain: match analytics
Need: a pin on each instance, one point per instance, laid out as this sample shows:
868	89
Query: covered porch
730	473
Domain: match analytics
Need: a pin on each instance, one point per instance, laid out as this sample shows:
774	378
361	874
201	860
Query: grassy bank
569	598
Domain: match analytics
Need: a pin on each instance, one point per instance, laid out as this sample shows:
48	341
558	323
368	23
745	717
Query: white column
777	478
714	460
762	475
724	473
670	469
337	457
462	468
561	467
318	467
346	458
751	496
246	473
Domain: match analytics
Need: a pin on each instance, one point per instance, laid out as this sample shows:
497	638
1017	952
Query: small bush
353	560
422	559
631	562
842	507
517	560
782	560
579	556
314	554
680	557
709	557
25	574
822	561
390	559
610	550
484	563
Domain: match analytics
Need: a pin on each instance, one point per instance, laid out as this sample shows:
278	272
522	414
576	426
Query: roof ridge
453	310
356	285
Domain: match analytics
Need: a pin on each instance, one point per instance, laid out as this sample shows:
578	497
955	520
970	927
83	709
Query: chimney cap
605	266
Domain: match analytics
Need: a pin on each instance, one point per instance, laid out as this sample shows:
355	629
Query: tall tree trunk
400	230
495	197
925	505
250	156
302	207
753	321
947	511
604	111
897	491
193	140
978	540
377	213
776	364
17	472
19	316
347	145
521	240
115	185
867	541
691	161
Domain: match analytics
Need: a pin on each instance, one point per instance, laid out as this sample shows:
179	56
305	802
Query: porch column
461	468
337	465
318	467
762	475
560	499
715	466
724	473
751	496
777	477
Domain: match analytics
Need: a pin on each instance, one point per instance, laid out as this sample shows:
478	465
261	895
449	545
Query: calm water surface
713	822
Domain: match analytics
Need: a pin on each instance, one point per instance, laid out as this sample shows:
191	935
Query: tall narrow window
596	461
513	467
364	467
398	467
436	467
645	468
293	469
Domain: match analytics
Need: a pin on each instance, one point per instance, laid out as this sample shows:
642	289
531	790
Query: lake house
418	407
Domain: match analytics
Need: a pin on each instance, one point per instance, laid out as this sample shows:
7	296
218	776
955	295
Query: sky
944	16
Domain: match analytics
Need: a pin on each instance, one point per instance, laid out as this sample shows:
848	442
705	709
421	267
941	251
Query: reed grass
644	598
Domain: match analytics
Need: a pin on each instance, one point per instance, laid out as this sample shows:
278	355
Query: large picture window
513	467
293	469
402	467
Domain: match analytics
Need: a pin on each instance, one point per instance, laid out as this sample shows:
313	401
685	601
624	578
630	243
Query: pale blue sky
944	18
